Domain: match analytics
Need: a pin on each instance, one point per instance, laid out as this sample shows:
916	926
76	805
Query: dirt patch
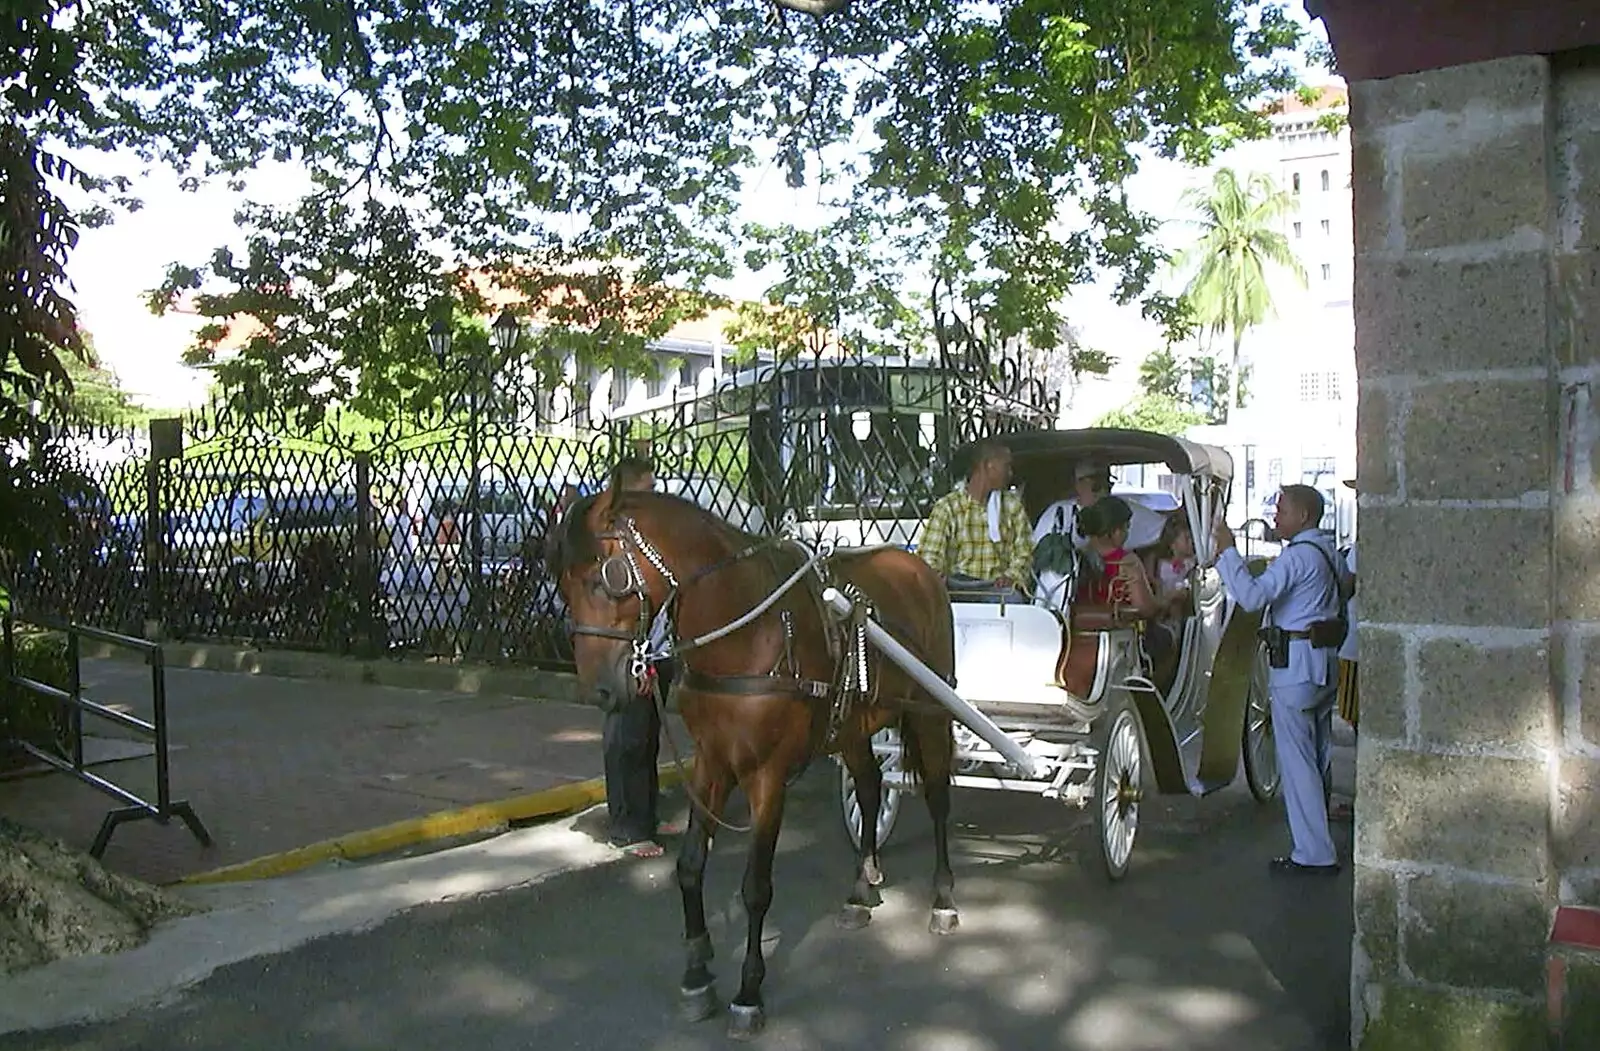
57	902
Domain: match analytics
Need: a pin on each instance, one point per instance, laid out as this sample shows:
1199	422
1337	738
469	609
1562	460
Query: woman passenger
1123	581
1174	561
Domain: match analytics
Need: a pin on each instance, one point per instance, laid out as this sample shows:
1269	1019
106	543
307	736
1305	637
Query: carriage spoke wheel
1119	785
888	808
1260	750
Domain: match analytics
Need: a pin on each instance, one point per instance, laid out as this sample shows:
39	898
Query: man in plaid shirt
978	535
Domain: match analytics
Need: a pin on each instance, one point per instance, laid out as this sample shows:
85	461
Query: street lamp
439	341
506	330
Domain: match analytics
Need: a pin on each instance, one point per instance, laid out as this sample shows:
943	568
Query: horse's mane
572	543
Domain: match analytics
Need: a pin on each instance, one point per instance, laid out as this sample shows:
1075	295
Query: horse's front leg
856	752
698	990
765	791
935	752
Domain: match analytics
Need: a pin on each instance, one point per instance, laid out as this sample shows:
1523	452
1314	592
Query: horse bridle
620	578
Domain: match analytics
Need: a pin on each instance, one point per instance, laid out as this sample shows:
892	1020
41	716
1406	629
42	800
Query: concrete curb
496	815
483	679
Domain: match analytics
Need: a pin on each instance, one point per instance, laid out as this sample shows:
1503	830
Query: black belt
1298	634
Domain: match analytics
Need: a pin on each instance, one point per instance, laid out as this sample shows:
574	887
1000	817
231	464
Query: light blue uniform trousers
1302	726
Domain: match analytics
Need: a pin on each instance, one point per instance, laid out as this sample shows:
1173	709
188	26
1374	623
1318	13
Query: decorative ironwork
424	534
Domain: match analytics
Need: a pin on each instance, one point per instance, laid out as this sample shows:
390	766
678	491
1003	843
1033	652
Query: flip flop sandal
645	848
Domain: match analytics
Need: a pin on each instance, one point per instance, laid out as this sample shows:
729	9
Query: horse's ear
602	507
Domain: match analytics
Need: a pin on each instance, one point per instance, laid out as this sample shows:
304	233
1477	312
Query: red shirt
1110	587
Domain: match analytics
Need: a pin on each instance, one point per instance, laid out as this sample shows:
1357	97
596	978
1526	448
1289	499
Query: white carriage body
1014	663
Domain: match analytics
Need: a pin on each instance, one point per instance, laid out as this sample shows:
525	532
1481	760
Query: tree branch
819	8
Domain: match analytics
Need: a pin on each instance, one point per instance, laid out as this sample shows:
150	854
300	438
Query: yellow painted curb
562	799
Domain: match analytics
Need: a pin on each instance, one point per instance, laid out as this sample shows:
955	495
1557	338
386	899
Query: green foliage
589	156
1239	240
25	715
1154	412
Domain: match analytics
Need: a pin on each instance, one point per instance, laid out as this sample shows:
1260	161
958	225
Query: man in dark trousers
632	735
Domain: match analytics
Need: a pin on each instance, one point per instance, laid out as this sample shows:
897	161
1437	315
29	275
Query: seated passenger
1173	560
1092	483
1125	586
1122	581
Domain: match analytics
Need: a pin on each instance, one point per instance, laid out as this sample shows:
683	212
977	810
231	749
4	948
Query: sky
113	266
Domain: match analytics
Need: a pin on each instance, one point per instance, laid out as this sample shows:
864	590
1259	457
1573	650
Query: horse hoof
944	921
854	917
698	1004
745	1022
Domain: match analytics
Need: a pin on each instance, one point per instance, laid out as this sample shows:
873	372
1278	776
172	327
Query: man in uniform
976	536
1301	591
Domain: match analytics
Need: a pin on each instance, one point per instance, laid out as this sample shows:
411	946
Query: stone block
1413	1018
1575	301
1377	920
1577	560
1383	683
1505	84
1375	228
1376	456
1475	935
1578	817
1478	440
1419	316
1472	812
1452	565
1575	158
1487	189
1472	695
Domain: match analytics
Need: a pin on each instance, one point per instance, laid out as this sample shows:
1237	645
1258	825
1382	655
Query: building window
1324	180
1319	386
1315	468
1294	181
1274	473
1327	271
1327	228
1297	229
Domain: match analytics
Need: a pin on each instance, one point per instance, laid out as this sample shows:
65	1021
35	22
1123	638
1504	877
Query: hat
1090	469
1349	483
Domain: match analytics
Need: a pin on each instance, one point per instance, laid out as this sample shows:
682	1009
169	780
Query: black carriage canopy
1043	462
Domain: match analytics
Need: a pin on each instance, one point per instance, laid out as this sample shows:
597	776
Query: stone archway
1476	132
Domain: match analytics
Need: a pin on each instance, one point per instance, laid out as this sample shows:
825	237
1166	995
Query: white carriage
1078	692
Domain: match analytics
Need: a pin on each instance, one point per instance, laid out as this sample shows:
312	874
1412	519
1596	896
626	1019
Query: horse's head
615	583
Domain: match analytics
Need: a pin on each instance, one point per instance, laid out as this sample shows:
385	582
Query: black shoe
1289	866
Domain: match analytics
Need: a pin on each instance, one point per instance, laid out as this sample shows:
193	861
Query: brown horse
762	700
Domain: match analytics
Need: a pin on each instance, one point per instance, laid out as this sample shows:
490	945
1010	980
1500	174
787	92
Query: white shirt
1350	649
1144	528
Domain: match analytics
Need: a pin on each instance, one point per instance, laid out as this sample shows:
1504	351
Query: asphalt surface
1199	949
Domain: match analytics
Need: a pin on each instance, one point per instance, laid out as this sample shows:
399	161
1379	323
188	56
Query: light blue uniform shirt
1296	589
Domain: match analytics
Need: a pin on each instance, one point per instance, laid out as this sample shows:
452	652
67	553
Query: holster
1277	643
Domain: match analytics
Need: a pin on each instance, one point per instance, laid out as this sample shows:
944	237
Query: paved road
1199	949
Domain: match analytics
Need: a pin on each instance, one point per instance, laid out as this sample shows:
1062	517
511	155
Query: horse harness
654	636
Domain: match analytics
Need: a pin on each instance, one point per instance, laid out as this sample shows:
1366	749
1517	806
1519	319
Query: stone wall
1477	302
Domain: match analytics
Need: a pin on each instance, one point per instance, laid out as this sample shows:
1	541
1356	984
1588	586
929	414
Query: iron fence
424	535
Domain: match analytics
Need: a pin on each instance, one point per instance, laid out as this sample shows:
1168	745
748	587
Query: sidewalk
274	764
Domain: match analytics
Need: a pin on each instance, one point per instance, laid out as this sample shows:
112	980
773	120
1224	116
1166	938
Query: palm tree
1240	237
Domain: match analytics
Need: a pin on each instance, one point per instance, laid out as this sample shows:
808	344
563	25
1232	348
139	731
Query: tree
1240	239
589	155
1154	412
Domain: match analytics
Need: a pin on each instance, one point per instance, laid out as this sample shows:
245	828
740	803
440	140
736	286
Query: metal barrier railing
135	809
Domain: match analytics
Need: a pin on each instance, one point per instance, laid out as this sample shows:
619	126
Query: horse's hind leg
856	751
698	989
932	745
765	790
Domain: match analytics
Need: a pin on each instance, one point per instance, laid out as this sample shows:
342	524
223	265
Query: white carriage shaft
970	717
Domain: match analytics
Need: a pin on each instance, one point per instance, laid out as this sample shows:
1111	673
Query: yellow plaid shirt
955	539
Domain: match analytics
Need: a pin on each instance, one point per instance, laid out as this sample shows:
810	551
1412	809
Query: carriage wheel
888	807
1119	784
1260	750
